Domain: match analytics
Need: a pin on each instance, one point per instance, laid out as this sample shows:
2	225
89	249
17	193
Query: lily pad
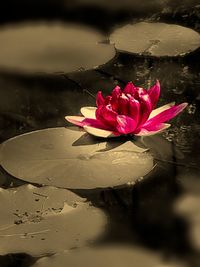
155	39
107	256
73	159
46	220
169	151
52	47
187	205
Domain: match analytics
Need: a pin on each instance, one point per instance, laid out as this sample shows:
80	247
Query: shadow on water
16	260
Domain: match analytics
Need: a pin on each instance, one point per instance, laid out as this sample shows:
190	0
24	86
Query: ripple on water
181	136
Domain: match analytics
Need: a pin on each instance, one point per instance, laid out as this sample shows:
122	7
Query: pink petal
99	99
160	109
126	124
82	121
145	108
123	104
114	98
106	115
153	130
129	89
134	109
95	123
167	114
107	100
98	132
140	92
89	112
116	92
154	93
77	120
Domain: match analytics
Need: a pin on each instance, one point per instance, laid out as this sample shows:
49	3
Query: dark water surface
155	212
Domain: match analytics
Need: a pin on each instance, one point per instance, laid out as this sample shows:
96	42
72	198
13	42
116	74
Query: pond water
160	212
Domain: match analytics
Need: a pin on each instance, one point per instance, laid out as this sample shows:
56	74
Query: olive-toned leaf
73	159
188	204
107	256
155	39
46	220
52	47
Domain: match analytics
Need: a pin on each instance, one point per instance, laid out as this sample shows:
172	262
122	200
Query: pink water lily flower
128	111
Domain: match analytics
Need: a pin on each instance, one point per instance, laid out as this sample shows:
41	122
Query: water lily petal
114	98
99	99
77	120
108	100
126	124
160	109
89	112
140	92
98	132
106	115
82	121
123	104
116	92
157	129
129	89
145	108
154	93
167	114
95	123
134	109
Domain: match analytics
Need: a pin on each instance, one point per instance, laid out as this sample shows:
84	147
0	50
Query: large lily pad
155	39
52	47
107	256
73	159
46	220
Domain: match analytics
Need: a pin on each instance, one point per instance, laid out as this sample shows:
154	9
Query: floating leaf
107	256
169	151
73	159
188	203
188	206
46	220
52	47
155	39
